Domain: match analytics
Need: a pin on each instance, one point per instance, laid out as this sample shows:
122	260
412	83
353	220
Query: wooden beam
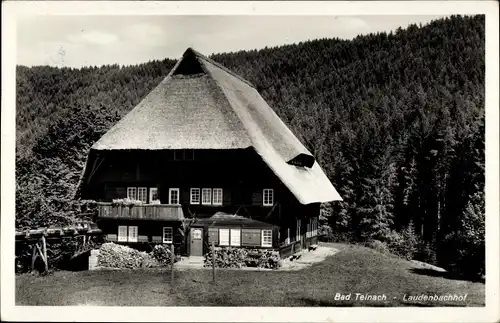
33	257
44	247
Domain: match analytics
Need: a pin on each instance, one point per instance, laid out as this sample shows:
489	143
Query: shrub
326	234
126	202
229	257
378	246
117	256
403	244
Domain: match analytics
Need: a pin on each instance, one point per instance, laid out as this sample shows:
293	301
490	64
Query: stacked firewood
163	254
228	257
112	255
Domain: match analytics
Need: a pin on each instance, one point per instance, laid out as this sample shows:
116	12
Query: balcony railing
141	212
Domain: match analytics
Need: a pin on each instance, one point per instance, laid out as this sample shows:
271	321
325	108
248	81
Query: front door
196	242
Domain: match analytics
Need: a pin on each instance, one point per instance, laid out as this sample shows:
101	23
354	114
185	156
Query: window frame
129	195
270	198
191	201
143	190
287	239
232	232
122	238
151	190
130	237
266	235
228	237
203	202
164	240
170	191
221	196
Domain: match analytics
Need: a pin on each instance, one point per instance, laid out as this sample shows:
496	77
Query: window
132	193
129	233
308	231
235	237
267	238
153	196
217	196
189	154
142	194
139	194
224	237
168	235
314	227
299	236
206	196
122	233
287	239
195	196
173	196
268	197
132	234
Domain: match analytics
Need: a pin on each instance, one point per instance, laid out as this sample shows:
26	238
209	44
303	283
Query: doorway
196	242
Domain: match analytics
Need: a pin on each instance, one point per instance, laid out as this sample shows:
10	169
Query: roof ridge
225	69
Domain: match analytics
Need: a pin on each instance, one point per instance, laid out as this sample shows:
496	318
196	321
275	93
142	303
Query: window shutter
213	236
235	237
122	233
250	237
132	233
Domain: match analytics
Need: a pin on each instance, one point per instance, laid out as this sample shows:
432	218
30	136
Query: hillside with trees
395	119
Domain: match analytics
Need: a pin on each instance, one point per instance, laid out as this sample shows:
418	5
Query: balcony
159	212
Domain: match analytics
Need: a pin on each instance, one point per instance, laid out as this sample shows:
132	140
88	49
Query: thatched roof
202	105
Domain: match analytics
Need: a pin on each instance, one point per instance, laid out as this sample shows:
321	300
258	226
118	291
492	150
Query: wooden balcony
160	212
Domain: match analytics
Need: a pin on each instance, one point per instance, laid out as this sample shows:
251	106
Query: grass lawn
353	269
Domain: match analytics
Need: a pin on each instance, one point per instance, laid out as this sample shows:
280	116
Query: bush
326	234
403	244
117	256
378	246
229	257
163	254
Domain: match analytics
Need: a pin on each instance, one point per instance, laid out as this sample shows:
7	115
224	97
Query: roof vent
189	65
303	160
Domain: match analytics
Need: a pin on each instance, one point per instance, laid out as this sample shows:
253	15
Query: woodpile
113	255
163	254
229	257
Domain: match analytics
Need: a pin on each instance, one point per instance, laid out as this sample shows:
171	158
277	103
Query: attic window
189	65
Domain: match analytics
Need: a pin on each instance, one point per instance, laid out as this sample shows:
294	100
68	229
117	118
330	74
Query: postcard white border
12	10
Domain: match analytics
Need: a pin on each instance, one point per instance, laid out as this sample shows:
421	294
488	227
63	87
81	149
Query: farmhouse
202	159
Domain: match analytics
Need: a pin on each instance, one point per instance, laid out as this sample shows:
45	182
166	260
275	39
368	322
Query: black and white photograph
195	158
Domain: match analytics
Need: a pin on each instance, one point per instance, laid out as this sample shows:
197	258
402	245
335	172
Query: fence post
44	250
172	260
33	257
213	261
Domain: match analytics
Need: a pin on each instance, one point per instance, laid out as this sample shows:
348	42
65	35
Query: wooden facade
181	182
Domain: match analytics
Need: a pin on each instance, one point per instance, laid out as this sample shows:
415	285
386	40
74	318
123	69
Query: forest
395	119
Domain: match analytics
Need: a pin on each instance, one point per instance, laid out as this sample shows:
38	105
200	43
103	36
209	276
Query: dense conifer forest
395	119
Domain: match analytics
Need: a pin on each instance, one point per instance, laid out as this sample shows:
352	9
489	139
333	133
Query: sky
77	41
